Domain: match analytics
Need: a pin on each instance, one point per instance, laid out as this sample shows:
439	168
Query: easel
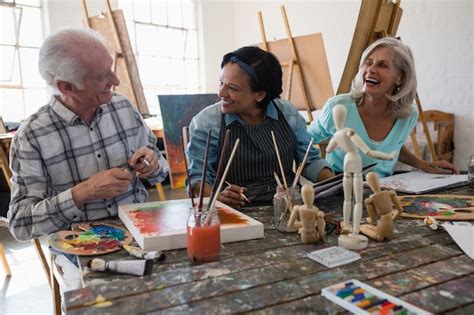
377	19
292	63
112	27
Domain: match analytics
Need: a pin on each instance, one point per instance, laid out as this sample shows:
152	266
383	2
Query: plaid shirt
54	150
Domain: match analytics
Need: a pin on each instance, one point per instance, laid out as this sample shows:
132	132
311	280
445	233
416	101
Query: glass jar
281	207
203	236
470	172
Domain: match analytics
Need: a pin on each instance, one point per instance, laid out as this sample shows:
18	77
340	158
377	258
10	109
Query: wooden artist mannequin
349	141
382	202
311	226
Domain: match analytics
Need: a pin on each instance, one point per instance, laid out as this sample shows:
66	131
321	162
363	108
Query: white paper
420	182
463	235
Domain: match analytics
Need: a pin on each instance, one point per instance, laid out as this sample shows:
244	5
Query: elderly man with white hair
73	160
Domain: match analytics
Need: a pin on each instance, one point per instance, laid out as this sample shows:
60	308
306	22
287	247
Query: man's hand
103	185
144	162
232	196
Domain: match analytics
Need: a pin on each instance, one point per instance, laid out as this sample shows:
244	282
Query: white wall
440	33
70	12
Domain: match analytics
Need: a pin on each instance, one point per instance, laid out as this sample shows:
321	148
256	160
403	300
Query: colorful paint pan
96	239
441	207
360	298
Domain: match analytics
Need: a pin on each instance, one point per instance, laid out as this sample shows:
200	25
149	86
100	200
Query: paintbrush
303	163
190	194
204	171
277	180
234	149
279	160
219	167
142	159
241	194
290	202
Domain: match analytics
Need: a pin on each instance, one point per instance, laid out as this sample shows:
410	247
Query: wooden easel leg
290	79
262	30
434	157
299	71
55	290
161	192
416	146
3	257
44	263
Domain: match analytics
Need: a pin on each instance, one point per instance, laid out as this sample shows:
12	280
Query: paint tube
141	254
432	223
140	267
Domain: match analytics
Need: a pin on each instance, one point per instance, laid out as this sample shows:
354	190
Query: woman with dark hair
250	107
379	109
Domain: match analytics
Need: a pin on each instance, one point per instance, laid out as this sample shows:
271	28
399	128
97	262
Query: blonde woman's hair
403	96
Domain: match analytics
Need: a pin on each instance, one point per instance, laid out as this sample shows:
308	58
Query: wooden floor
27	291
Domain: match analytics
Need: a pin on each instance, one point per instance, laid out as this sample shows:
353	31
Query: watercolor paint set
361	298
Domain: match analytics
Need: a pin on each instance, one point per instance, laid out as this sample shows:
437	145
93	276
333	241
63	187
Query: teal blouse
323	128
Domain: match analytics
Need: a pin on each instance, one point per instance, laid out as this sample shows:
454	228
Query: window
163	34
21	87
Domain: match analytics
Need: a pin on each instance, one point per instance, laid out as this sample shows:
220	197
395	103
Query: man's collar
270	112
68	115
65	113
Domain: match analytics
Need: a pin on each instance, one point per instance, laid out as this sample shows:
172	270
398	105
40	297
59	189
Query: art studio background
440	34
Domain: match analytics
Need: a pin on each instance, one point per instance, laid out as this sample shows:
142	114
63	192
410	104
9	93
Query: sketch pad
420	182
161	225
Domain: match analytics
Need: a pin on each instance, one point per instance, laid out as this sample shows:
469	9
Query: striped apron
255	159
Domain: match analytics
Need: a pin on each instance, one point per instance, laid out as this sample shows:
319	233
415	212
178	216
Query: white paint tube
137	252
140	267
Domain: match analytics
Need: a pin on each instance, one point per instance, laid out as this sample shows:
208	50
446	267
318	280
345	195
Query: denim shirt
210	118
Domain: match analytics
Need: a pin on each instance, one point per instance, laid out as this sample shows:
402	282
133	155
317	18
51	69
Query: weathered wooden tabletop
273	275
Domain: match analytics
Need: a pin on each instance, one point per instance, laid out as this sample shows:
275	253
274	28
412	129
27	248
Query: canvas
177	111
162	225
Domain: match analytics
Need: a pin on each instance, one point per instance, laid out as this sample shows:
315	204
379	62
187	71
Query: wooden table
273	275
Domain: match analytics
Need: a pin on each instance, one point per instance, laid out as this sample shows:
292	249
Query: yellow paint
431	280
100	301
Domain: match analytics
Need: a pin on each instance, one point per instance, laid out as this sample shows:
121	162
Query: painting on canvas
161	225
177	111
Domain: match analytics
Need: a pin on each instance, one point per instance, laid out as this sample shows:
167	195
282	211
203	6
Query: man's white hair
59	55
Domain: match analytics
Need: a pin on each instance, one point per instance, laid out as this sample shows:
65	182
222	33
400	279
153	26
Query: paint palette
95	239
361	298
441	207
162	225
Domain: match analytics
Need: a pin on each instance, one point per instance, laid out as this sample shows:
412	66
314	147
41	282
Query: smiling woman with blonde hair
379	109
